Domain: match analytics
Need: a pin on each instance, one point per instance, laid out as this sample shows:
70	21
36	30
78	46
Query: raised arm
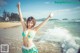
40	25
21	18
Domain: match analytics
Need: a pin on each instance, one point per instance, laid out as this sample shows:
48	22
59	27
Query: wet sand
13	37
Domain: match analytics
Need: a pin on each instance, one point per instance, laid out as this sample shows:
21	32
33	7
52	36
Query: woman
29	32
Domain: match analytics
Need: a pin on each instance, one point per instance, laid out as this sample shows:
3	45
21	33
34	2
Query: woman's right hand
18	5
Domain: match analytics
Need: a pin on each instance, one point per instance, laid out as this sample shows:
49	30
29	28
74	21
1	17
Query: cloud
2	3
67	10
77	8
47	2
72	13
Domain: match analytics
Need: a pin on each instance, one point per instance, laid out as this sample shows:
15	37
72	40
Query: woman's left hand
51	15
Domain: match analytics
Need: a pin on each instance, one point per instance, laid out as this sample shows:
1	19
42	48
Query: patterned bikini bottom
32	49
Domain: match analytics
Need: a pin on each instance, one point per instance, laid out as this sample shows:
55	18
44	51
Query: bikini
33	48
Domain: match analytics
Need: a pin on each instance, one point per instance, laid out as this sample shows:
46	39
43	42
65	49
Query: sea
65	32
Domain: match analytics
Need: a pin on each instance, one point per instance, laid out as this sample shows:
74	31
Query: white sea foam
62	35
57	34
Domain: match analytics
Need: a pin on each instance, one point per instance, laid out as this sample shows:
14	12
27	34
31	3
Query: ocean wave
62	35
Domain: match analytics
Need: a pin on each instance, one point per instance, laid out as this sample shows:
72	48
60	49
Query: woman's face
30	24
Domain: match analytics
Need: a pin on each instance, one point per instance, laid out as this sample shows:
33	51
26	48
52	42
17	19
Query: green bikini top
31	34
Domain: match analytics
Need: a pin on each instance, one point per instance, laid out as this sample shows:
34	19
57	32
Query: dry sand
9	24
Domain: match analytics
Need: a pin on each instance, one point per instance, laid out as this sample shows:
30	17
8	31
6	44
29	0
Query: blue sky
42	8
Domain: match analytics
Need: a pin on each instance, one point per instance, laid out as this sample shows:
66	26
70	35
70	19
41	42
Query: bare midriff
27	42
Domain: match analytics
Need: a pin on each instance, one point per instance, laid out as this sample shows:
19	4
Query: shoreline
13	37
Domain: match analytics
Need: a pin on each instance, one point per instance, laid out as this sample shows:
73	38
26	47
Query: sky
41	8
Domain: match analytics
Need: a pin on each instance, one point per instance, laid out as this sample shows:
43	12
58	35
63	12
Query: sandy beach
9	24
12	36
